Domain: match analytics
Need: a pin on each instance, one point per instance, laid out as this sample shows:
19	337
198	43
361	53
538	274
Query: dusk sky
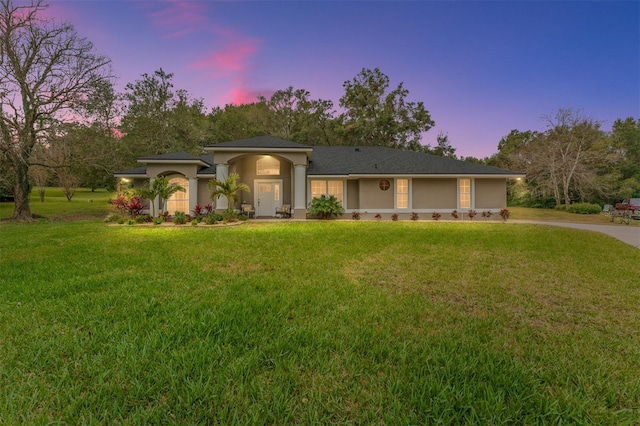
481	68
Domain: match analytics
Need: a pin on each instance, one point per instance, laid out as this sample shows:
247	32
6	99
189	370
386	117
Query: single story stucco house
369	180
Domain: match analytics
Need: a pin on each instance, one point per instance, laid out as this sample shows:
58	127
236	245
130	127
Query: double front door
267	196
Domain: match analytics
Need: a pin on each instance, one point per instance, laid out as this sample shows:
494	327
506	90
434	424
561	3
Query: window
384	184
267	166
328	188
402	193
465	193
179	201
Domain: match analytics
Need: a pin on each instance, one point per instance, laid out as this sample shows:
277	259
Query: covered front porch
276	177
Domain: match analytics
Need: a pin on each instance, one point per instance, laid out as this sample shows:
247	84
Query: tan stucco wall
353	194
372	197
491	193
434	193
187	170
203	192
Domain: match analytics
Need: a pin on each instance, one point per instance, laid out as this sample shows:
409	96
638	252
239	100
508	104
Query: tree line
572	160
62	122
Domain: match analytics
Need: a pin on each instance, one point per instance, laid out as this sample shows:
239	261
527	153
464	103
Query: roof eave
197	162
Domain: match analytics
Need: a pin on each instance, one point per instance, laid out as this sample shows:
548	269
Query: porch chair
284	211
248	210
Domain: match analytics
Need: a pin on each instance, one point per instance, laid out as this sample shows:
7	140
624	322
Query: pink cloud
234	57
178	17
243	95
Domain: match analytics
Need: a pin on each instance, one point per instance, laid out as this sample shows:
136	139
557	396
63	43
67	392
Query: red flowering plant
120	203
436	216
134	207
198	210
471	214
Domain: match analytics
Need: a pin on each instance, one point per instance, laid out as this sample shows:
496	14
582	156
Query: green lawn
84	204
317	322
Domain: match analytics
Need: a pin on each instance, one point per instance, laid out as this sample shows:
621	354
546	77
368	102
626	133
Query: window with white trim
328	188
464	190
268	166
179	201
402	193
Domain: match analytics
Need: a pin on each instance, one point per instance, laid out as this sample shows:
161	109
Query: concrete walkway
627	234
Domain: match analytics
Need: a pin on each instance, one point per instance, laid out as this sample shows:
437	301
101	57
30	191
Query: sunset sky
481	68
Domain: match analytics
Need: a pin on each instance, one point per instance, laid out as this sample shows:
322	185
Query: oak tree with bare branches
46	69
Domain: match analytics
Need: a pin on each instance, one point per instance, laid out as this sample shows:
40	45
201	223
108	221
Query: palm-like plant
229	188
160	188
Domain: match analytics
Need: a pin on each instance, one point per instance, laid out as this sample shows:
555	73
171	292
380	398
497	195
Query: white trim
199	162
472	190
395	195
430	175
268	150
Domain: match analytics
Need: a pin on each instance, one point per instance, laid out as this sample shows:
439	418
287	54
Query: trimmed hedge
584	208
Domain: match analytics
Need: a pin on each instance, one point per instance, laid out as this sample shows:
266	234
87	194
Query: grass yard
84	204
317	322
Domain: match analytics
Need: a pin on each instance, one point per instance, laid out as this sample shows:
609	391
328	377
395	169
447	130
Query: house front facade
368	180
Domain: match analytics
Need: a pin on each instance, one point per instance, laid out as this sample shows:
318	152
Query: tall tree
625	143
158	120
293	115
376	116
45	70
443	147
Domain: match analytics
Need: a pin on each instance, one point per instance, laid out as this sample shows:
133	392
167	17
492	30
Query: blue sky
482	68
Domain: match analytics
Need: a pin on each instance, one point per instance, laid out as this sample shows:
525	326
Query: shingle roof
377	160
137	171
177	156
260	142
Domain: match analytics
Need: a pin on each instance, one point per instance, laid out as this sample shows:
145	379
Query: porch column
193	194
222	173
300	192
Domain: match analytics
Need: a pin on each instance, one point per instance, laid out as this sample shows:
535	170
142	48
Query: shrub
212	218
378	216
326	207
112	217
198	210
142	218
487	214
230	215
436	216
195	222
179	218
355	215
454	214
394	217
208	208
134	207
471	214
414	216
158	220
504	213
121	221
584	208
119	203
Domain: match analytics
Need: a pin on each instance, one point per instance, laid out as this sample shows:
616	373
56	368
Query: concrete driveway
627	234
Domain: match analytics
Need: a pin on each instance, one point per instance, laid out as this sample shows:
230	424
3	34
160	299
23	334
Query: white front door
267	196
